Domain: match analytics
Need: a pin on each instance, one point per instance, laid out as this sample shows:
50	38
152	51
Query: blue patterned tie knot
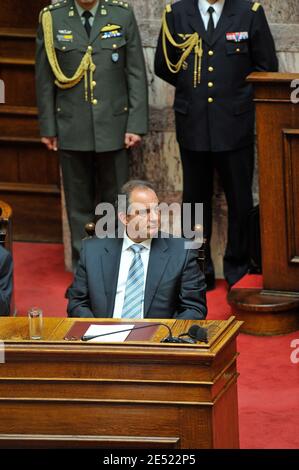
136	248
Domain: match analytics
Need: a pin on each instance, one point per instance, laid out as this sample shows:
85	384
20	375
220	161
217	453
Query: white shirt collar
204	5
81	10
127	243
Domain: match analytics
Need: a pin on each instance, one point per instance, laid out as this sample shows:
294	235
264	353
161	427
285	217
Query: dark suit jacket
175	287
6	269
228	122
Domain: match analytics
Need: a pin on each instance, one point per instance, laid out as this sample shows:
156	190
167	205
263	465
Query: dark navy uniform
215	119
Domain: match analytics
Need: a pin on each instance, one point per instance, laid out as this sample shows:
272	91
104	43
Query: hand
50	142
132	140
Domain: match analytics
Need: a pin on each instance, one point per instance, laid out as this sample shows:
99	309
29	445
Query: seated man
6	268
142	274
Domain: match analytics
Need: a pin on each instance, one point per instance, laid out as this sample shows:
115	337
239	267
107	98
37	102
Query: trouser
235	169
89	178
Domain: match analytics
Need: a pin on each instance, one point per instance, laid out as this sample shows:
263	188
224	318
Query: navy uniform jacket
6	269
175	286
227	121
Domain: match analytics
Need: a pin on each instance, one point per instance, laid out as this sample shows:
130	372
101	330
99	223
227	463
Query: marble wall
158	159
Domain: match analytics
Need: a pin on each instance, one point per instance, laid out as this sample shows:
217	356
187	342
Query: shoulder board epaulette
168	8
255	6
52	7
118	3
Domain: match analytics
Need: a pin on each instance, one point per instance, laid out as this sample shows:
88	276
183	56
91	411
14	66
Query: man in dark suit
6	270
142	274
206	50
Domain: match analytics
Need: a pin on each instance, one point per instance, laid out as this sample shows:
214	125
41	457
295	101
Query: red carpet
268	383
40	278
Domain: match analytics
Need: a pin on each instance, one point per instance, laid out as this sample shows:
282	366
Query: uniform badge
111	34
71	13
64	35
115	57
111	31
110	27
237	37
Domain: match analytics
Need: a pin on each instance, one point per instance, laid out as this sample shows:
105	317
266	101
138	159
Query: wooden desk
55	393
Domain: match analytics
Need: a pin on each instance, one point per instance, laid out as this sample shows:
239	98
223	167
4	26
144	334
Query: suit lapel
224	22
99	22
110	268
74	22
197	24
195	20
158	260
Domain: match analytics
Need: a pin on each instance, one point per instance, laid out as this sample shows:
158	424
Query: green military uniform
91	90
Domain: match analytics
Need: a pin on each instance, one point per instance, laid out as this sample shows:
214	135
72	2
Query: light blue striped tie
134	289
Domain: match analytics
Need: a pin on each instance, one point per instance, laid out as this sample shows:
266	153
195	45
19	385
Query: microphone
169	339
197	333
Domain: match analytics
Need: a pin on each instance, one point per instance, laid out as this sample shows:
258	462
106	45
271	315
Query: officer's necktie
134	293
211	26
87	25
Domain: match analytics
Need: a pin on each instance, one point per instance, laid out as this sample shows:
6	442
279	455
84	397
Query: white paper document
112	337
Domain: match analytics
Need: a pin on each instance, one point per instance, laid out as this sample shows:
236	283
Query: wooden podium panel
56	393
275	308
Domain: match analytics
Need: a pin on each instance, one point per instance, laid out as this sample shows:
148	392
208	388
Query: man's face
143	218
87	4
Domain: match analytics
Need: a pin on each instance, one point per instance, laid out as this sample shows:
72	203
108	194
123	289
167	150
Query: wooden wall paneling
29	174
16	44
18	124
20	14
18	76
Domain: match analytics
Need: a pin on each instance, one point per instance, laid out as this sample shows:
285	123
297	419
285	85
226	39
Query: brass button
114	46
211	53
63	48
89	48
93	83
211	69
210	84
125	108
58	109
210	100
94	101
238	50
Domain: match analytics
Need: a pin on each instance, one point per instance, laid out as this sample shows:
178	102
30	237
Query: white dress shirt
93	11
126	259
204	5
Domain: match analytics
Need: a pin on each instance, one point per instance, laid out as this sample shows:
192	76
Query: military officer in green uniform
92	99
